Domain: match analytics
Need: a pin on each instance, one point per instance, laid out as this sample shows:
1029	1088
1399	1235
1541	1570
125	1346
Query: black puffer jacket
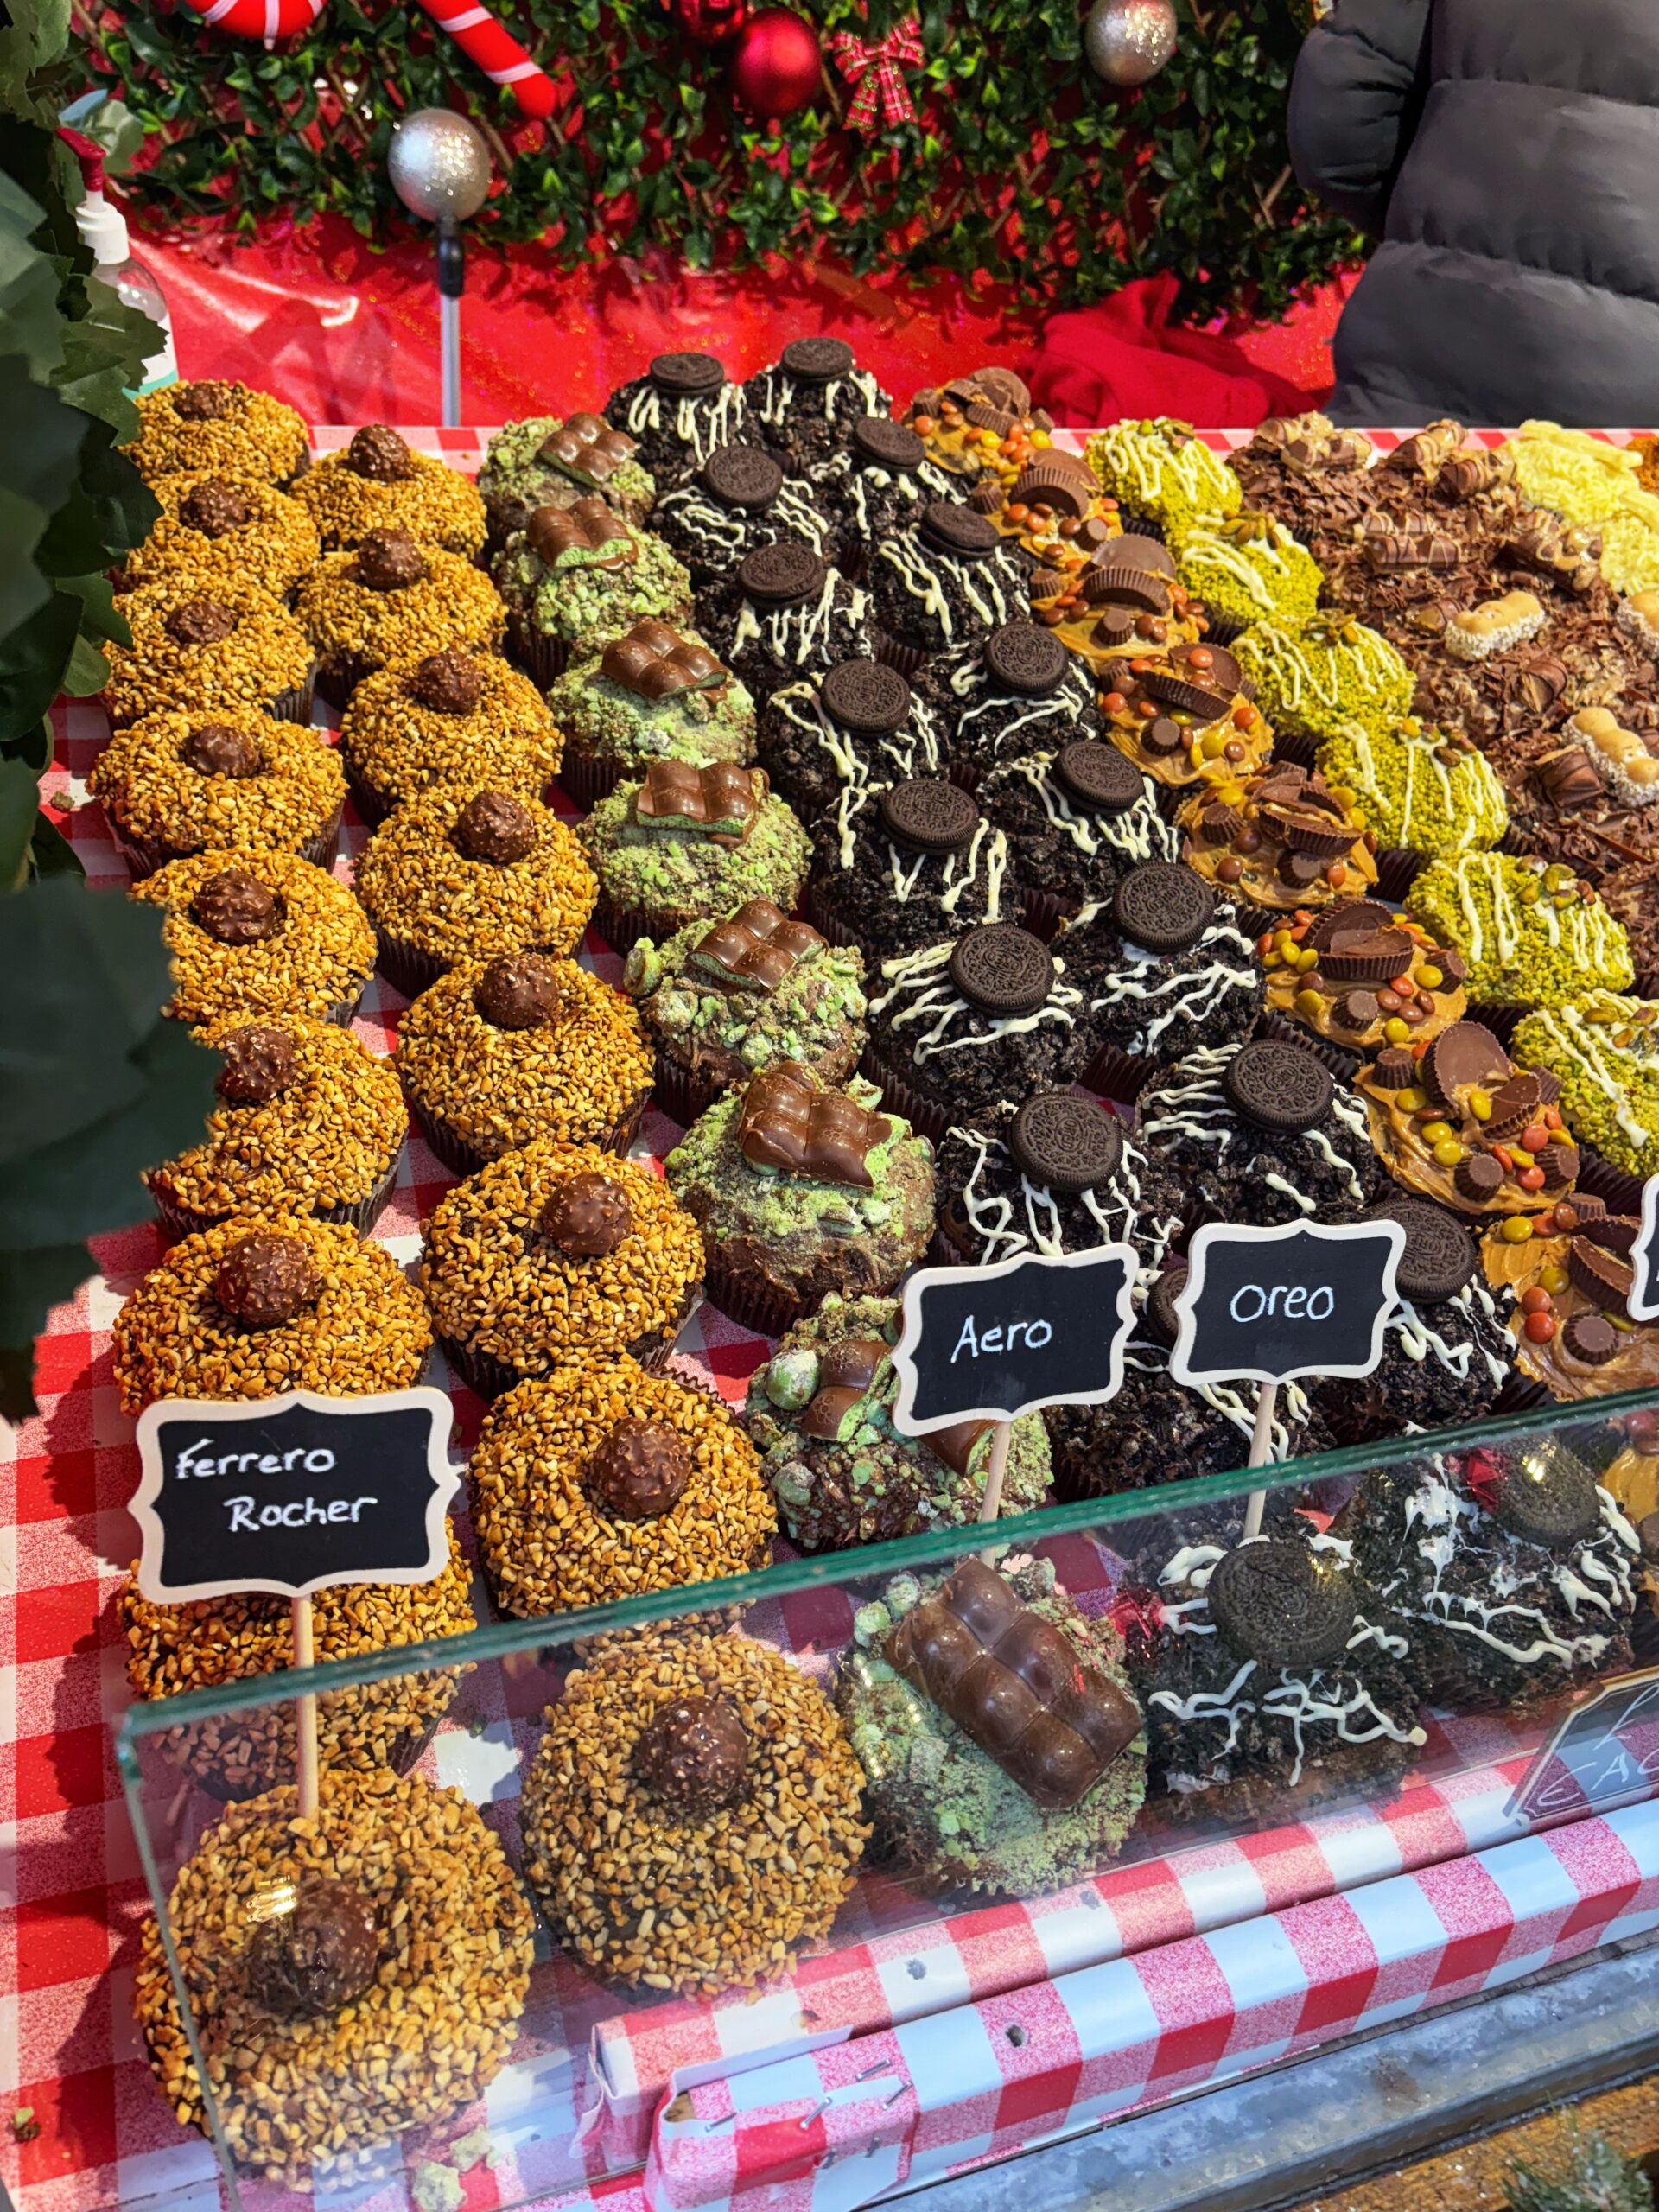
1507	151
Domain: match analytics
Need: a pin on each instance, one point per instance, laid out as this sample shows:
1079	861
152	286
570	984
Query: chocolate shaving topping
218	749
655	662
586	1216
234	907
586	448
214	508
790	1123
756	948
377	451
519	990
639	1471
561	537
721	798
391	560
199	622
693	1755
449	682
265	1279
260	1063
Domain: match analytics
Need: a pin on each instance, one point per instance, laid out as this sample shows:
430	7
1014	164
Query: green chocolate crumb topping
1531	933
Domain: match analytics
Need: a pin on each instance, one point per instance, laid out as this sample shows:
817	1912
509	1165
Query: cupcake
960	1798
687	842
217	1641
858	724
603	1482
1360	978
554	1252
1601	1049
1312	476
213	528
1529	931
727	999
1568	1271
176	784
388	600
738	500
873	482
211	428
1247	568
943	578
378	483
976	423
821	1412
545	462
310	1948
1279	843
1330	675
259	933
1460	1123
1162	472
1274	1678
1054	511
899	865
734	1783
308	1122
207	654
677	413
462	874
1586	793
784	616
1261	1133
503	1053
253	1307
655	693
575	577
1186	716
1125	606
1078	819
800	1189
810	403
1425	793
1010	692
454	717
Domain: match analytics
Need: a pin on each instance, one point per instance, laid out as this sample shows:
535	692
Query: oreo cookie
1279	1086
928	815
781	573
1282	1605
1161	1317
866	696
1002	970
959	532
887	444
818	360
742	477
1027	659
1546	1496
1098	776
1065	1142
1439	1256
684	376
1164	906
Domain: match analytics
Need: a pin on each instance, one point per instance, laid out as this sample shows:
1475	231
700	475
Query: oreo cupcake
379	483
499	1053
574	577
1002	1749
727	999
1261	1133
784	616
212	527
677	413
859	724
1361	979
812	399
961	1024
179	783
1078	819
234	649
392	599
899	865
1274	1678
456	717
739	500
688	842
944	578
259	933
655	693
227	430
1014	692
556	1252
820	1411
545	462
800	1189
874	482
1280	843
464	875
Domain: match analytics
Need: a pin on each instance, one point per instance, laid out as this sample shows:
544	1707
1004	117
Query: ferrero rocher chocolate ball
378	451
316	1957
588	1216
694	1755
235	908
207	402
520	991
494	826
450	682
389	559
266	1280
260	1063
217	749
199	622
214	508
639	1471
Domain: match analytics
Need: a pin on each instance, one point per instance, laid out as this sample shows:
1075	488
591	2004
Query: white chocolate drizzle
922	978
700	423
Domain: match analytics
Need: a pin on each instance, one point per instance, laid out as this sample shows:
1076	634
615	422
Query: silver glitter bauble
1127	42
439	165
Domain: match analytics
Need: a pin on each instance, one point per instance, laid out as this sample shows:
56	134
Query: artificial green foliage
1591	2175
1022	166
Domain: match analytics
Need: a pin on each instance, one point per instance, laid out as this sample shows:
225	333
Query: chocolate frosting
788	1121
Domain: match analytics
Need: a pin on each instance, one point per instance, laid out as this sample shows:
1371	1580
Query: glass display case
618	1854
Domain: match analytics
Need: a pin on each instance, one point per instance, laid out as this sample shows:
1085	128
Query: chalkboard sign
989	1344
1604	1753
1643	1300
292	1494
1265	1305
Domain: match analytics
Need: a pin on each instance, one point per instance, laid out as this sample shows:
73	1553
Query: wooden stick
1267	1398
305	1655
991	1503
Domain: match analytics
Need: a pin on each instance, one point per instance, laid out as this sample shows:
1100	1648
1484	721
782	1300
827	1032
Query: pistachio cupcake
390	600
557	1252
452	717
1603	1048
213	526
209	427
462	874
546	462
207	652
308	1122
176	784
1246	568
575	577
1327	677
605	1481
498	1053
1429	794
655	693
1531	932
688	842
726	999
1161	472
259	933
379	483
253	1307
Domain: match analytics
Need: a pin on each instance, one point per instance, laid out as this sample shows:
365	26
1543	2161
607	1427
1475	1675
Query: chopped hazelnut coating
416	724
436	503
226	429
215	524
180	660
234	780
315	961
350	620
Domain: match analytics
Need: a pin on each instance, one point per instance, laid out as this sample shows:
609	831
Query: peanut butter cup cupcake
499	1053
379	483
220	428
240	781
392	599
688	842
208	652
260	933
213	526
462	875
457	716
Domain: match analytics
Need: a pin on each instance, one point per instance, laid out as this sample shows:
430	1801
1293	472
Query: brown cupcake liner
1519	1394
1501	1020
1254	920
405	966
899	1097
758	1305
406	1752
543	658
343	1012
1619	1190
361	1215
683	1095
464	1159
907	659
1397	869
1042	912
1117	1074
371	809
143	855
491	1378
339	676
587	779
1343	1063
1294	744
822	917
1220	629
1169	798
622	927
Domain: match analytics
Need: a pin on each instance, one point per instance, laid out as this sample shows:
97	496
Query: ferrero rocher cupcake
216	525
604	1481
462	874
204	1645
498	1053
254	1308
556	1252
209	427
392	599
380	483
238	780
207	650
308	1122
451	717
258	933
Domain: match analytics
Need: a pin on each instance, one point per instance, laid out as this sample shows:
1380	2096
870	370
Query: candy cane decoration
262	19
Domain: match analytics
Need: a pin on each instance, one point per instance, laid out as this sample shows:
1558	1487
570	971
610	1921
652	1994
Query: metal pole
452	278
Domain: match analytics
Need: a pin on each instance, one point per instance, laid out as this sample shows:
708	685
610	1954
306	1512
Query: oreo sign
1268	1304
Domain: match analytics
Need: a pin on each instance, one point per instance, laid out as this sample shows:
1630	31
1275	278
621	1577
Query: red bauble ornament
776	64
709	22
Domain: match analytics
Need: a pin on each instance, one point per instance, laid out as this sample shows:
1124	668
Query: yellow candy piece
1309	1005
1553	1280
1434	1132
1448	1152
1396	1031
1480	1106
1409	1101
1430	976
1519	1155
1516	1230
1214	744
1307	956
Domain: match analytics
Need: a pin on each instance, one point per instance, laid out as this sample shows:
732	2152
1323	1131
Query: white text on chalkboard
1294	1301
315	1462
1035	1333
248	1516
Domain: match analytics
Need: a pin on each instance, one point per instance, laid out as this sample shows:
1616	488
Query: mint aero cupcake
380	483
687	842
546	462
391	600
655	693
739	499
801	1189
574	577
207	651
259	933
452	717
1531	932
222	428
213	526
1161	472
179	783
810	403
725	1000
1246	568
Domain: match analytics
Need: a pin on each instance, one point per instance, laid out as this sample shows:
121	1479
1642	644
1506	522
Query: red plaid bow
871	66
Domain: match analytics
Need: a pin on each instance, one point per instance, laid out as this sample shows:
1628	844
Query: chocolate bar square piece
586	448
587	536
719	801
791	1123
654	662
754	948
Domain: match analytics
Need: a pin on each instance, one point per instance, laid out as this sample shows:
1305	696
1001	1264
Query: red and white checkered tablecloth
578	2101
